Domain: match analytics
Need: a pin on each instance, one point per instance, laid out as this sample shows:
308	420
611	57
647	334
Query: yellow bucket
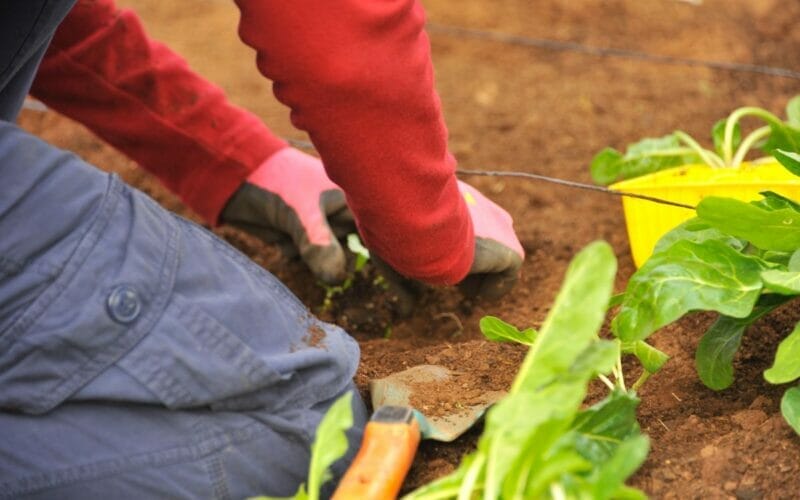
647	221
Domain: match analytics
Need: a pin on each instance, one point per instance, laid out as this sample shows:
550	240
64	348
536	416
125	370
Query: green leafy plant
540	441
330	444
741	260
678	148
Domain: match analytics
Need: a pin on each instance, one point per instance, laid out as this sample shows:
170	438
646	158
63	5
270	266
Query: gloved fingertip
327	263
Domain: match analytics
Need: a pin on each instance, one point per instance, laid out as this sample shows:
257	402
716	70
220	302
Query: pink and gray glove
289	196
496	264
498	252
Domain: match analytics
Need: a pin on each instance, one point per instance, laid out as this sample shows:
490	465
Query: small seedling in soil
356	304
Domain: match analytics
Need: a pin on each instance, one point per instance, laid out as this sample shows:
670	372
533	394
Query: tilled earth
517	107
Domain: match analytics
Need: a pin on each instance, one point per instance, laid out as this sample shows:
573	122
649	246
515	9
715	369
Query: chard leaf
790	408
786	367
688	276
616	300
644	157
783	282
575	318
330	443
718	134
790	160
769	230
783	136
606	166
793	111
599	430
651	358
600	357
629	456
717	348
794	261
774	201
698	231
499	331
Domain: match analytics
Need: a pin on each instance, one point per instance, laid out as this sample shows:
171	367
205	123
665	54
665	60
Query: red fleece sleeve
358	78
103	71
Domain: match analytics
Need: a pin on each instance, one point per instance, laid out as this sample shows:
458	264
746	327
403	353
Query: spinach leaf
598	430
717	348
698	231
688	276
330	443
790	160
784	136
783	282
575	318
790	408
651	358
786	367
767	229
644	157
499	331
793	111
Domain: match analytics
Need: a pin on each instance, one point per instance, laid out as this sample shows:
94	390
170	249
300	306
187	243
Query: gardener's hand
289	196
498	255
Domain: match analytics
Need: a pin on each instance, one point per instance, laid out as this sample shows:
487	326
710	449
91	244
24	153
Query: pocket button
124	304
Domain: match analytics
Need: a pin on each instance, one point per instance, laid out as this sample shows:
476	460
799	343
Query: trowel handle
390	441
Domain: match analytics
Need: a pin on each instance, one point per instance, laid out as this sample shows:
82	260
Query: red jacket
357	76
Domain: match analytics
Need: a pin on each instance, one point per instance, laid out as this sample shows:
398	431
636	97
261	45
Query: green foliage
330	444
499	331
644	157
717	348
786	367
775	137
790	407
739	259
765	228
539	442
684	277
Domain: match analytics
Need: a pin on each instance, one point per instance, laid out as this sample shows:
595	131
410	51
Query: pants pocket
192	360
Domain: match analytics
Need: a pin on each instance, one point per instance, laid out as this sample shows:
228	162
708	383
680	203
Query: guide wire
572	184
564	46
298	143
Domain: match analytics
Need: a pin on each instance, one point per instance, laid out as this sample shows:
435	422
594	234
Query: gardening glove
289	197
496	264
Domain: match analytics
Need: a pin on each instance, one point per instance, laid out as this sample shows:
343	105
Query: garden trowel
393	433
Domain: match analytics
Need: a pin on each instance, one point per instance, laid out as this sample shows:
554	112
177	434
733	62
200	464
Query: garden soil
524	108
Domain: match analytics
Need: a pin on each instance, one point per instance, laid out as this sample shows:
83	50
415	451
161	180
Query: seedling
361	259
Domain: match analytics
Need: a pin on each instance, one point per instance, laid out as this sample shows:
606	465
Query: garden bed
522	108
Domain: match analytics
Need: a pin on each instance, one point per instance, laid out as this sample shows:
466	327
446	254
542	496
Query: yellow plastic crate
647	222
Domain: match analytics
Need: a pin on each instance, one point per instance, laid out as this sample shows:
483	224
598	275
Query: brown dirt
521	108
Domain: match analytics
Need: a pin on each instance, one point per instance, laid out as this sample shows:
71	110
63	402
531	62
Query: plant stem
730	126
709	157
621	374
641	380
606	381
748	142
471	478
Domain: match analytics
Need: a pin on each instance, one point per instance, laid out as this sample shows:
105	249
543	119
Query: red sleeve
358	78
103	71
